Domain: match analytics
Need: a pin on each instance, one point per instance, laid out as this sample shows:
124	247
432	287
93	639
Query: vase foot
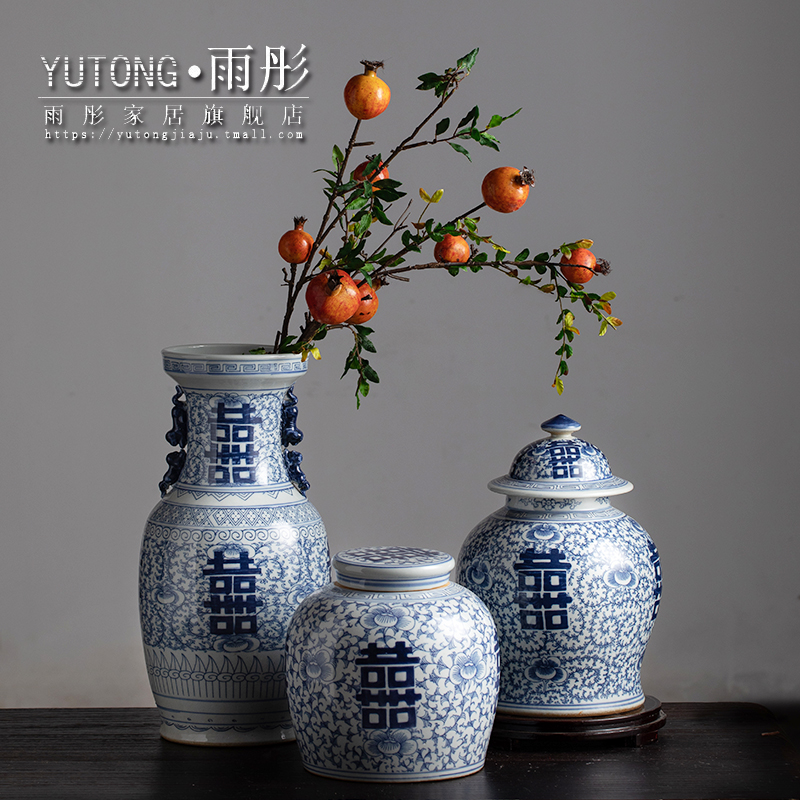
226	736
224	723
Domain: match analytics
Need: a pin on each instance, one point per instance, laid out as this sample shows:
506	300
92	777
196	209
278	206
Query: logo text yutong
230	67
121	70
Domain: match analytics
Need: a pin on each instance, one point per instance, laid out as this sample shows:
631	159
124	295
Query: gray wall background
665	131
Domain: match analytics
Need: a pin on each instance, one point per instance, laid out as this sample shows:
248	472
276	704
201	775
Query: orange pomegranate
452	250
505	189
367	95
379	174
579	267
368	305
332	297
295	245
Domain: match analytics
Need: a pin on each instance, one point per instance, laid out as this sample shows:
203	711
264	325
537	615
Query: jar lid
392	569
560	466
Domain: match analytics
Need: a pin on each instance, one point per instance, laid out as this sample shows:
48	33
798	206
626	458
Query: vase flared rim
233	351
214	365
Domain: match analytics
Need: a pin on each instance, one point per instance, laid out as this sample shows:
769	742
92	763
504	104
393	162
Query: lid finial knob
561	425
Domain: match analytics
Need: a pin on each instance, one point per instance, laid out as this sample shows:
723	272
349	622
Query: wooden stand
630	728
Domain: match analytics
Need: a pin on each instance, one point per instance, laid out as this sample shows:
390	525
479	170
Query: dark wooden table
705	750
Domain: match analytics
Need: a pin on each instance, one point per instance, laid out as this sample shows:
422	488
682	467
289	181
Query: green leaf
434	232
347	187
542	257
380	214
437	195
607	297
566	250
468	61
483	139
429	80
387	194
603	327
498	120
387	183
442	125
361	224
359	201
523	255
369	373
338	157
459	149
366	343
409	241
470	118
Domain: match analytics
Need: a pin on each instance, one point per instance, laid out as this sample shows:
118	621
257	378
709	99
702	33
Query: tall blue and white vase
574	584
231	549
392	670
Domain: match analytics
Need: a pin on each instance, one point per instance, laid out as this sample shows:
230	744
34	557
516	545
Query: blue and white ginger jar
392	670
230	550
574	584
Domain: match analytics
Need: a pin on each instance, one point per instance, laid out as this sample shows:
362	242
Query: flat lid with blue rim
392	569
560	466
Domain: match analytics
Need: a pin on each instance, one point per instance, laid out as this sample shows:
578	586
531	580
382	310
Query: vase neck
235	440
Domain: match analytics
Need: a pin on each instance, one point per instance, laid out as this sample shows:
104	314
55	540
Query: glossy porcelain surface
392	685
574	584
230	550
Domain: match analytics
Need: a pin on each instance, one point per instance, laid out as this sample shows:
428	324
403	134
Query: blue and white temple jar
230	550
573	584
392	670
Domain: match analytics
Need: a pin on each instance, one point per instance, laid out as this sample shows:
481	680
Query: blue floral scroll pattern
264	450
456	679
291	562
385	744
560	459
596	661
546	669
